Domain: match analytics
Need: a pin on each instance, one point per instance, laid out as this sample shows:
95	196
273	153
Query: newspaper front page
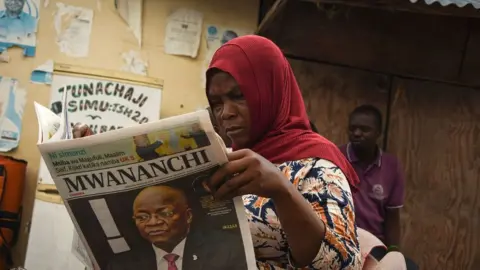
138	196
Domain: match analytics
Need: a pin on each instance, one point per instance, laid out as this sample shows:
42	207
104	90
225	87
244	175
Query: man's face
363	131
196	128
162	216
141	140
14	5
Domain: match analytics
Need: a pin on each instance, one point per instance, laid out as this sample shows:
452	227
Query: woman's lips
233	131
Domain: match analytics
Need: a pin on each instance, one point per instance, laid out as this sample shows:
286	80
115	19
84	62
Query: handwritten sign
105	105
102	104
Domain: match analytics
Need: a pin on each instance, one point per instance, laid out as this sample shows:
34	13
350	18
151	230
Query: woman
294	183
300	210
221	133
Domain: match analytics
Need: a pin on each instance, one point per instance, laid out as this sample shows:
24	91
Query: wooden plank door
331	93
435	131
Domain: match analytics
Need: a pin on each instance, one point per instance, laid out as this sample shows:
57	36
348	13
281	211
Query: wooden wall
332	92
416	45
434	130
422	71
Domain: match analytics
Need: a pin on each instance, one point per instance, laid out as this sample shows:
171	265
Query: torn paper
18	24
183	33
78	249
131	12
73	26
134	63
12	103
43	73
216	36
4	57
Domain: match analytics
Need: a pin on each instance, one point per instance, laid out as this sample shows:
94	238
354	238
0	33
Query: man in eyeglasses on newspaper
164	218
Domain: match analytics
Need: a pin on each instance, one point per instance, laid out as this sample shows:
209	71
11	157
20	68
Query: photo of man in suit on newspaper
163	217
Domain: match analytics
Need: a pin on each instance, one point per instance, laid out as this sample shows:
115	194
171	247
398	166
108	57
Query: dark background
120	205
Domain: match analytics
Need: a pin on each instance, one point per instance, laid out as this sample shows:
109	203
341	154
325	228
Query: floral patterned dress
325	186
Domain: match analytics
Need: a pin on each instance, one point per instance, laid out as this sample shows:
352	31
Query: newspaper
137	195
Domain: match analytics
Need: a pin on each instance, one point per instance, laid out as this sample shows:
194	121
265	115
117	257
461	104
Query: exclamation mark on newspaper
104	216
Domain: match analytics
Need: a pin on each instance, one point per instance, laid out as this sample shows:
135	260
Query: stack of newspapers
138	196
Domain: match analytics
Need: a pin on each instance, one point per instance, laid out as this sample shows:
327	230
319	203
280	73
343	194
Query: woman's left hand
248	173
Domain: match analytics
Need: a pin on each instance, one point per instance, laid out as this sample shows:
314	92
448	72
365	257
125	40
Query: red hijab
281	129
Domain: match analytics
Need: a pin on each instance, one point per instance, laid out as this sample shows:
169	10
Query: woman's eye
237	95
216	107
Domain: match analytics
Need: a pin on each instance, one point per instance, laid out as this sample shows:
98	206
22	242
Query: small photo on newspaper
139	199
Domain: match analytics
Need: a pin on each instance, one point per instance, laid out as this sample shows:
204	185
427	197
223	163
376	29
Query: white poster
102	104
217	36
50	239
12	103
18	24
78	249
73	26
183	33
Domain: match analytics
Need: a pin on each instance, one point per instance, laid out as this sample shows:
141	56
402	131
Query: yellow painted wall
110	37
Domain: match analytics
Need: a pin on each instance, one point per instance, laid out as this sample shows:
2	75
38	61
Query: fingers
81	130
226	171
233	187
206	187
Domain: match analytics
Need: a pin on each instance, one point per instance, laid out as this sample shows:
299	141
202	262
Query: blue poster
18	24
12	103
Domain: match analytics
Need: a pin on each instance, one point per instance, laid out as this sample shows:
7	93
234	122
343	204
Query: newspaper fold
137	195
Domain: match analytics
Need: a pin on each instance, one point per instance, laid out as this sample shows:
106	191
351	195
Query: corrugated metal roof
459	3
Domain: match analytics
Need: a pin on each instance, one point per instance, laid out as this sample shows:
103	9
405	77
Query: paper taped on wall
183	32
73	26
18	24
133	63
78	249
217	36
12	103
43	73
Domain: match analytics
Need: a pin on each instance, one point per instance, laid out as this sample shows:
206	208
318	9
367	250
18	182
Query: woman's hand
81	130
248	173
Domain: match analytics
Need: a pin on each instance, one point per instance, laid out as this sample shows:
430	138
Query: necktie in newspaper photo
171	258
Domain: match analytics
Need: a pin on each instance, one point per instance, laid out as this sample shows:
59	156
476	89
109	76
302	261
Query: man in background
163	217
381	190
14	23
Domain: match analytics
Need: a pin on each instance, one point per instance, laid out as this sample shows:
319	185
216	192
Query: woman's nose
229	110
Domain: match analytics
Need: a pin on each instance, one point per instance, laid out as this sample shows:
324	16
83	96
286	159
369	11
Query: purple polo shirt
381	187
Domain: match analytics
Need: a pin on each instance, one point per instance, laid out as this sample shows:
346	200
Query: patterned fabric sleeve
326	188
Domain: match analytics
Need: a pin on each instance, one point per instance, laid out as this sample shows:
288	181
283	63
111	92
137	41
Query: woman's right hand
81	130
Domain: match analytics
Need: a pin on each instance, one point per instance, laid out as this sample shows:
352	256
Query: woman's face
230	108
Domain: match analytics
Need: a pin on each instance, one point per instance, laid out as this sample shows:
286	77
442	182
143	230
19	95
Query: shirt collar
178	250
353	158
3	14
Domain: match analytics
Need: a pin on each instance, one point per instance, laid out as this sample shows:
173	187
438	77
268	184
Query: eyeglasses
145	217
